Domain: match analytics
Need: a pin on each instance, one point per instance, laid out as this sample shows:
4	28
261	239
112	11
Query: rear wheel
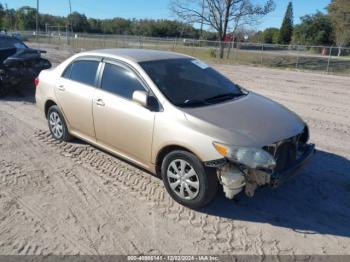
3	90
187	180
57	124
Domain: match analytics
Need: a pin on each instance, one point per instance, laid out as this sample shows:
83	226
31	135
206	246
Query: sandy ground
59	198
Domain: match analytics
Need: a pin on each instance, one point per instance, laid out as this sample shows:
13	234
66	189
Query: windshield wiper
223	97
193	102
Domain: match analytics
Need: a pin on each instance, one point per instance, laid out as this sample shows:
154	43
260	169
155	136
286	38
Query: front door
120	123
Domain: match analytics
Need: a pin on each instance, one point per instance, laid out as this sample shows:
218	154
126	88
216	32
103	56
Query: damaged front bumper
280	177
234	178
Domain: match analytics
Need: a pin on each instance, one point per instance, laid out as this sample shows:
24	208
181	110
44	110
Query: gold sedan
176	117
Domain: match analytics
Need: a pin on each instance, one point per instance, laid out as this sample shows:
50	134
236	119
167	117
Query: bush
212	53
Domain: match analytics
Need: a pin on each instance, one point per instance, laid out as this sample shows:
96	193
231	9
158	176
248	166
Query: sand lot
71	198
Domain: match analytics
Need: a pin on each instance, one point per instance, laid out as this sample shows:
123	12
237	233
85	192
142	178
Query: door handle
100	102
61	88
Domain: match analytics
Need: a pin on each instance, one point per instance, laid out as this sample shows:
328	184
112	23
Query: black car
19	64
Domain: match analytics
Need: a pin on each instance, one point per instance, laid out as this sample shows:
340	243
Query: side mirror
140	97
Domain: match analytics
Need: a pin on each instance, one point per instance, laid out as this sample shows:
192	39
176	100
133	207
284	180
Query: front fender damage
234	179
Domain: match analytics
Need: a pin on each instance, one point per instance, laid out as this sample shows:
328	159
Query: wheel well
166	150
48	104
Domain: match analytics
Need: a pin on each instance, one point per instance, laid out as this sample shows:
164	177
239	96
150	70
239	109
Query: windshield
190	83
7	43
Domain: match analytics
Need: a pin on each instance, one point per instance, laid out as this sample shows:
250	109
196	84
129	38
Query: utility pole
70	7
69	27
37	20
70	13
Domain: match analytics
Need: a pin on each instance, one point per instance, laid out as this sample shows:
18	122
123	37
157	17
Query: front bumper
279	178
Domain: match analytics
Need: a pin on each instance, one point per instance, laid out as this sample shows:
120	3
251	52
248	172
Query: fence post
217	48
175	44
297	63
329	59
262	52
236	52
193	47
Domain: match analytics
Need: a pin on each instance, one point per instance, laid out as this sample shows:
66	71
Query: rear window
66	73
82	71
7	43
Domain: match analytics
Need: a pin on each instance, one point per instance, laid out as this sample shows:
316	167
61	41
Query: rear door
120	123
75	91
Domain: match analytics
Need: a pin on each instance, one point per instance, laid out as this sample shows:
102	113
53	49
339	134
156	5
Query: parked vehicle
19	64
19	36
176	117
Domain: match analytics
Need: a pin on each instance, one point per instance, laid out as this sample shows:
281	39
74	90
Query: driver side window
120	81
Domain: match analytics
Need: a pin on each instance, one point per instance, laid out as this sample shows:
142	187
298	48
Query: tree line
224	20
24	18
319	29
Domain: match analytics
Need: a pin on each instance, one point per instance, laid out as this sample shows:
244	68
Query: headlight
248	156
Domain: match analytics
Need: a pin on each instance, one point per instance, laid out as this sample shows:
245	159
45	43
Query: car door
75	91
120	123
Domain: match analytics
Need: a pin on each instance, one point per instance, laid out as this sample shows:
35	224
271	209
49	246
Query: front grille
286	151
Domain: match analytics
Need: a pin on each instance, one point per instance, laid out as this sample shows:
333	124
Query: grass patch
273	59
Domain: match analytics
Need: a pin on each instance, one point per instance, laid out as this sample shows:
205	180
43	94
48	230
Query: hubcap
56	125
183	179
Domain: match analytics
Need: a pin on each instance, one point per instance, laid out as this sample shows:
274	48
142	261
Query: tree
9	19
26	18
314	30
79	22
94	25
286	31
2	14
339	12
221	15
270	35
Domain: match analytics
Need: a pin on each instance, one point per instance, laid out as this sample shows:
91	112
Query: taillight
36	82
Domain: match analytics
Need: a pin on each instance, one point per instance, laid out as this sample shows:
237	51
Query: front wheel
187	180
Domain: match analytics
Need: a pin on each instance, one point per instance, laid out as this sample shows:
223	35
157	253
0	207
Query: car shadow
316	201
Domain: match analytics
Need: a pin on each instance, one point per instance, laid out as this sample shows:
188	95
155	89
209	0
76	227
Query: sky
157	9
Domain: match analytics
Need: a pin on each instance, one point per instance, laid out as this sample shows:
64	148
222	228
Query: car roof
136	55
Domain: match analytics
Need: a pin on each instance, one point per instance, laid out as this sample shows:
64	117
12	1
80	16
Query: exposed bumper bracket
279	178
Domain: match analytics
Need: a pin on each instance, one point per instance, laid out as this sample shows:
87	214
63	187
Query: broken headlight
248	156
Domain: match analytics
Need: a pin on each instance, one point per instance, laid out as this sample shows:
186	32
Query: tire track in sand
217	233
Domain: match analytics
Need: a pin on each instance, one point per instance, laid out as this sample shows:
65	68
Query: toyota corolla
177	117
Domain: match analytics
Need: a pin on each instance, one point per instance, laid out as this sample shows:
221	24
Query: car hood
252	120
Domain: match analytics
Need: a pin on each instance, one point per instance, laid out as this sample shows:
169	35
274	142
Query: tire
3	90
57	124
203	184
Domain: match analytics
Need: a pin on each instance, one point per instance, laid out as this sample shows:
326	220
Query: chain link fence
333	60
